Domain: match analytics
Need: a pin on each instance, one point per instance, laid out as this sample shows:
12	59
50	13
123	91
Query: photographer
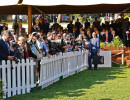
35	46
5	52
86	43
43	46
74	44
53	48
37	53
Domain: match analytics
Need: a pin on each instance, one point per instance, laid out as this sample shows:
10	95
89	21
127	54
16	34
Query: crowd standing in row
46	41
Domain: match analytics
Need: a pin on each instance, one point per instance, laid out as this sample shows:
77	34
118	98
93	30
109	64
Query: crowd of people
45	40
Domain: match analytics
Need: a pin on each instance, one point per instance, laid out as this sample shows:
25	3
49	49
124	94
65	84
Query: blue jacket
4	53
94	45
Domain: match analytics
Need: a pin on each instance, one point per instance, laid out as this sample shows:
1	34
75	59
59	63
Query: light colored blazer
94	45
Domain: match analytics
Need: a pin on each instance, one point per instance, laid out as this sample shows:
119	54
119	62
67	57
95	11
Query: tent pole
43	15
29	18
122	16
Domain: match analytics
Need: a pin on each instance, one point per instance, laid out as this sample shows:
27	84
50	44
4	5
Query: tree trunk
59	18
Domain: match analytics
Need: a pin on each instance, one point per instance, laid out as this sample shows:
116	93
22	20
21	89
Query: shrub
102	44
1	91
116	43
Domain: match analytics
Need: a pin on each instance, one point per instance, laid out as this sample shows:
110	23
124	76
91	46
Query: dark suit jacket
88	37
76	34
104	38
4	53
70	28
46	29
112	37
41	25
87	24
33	30
100	37
77	24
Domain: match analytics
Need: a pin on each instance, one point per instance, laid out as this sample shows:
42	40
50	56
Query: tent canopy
62	7
72	2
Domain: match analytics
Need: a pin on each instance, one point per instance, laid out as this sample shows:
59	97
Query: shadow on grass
74	86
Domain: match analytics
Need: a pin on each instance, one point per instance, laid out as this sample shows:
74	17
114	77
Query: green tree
126	15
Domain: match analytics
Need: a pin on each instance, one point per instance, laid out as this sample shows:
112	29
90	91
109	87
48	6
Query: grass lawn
103	84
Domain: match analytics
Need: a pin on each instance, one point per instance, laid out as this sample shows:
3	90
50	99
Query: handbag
98	60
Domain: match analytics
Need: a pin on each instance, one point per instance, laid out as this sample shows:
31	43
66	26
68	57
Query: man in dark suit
87	24
107	37
75	33
98	35
93	50
34	28
78	24
46	27
88	35
5	52
70	27
41	24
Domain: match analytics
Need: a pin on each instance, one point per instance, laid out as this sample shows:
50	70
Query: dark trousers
90	62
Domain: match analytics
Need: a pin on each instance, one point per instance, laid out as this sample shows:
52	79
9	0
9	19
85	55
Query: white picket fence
20	78
63	65
17	78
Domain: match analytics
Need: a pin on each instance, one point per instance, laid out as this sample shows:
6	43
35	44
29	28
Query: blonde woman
23	47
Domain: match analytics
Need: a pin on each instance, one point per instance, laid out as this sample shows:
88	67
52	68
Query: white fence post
4	66
14	77
9	78
27	75
20	78
23	76
32	63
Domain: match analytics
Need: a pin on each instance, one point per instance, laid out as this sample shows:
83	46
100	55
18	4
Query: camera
16	60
